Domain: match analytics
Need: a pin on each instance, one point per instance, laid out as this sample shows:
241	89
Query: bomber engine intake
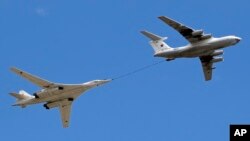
36	96
58	103
51	105
47	92
46	106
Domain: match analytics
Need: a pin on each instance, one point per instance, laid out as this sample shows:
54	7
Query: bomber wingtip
13	69
208	79
16	70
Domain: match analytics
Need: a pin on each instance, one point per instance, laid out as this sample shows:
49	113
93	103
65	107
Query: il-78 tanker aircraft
204	46
53	94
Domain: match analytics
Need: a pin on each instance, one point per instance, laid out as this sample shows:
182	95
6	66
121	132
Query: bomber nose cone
105	81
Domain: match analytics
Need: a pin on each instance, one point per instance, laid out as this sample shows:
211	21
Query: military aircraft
53	94
204	46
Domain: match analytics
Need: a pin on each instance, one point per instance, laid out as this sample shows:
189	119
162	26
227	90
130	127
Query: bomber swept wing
64	107
190	34
34	79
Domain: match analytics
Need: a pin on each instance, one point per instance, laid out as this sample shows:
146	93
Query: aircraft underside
191	52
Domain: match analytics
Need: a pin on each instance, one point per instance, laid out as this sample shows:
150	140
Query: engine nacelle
47	92
46	106
197	32
70	99
51	105
36	96
206	36
217	59
217	52
58	103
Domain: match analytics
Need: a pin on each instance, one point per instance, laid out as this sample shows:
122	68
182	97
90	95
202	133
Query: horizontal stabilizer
17	96
21	95
152	36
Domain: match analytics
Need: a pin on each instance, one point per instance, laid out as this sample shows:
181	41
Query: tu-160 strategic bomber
204	46
53	94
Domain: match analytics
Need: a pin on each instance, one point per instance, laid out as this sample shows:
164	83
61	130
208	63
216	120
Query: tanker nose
238	39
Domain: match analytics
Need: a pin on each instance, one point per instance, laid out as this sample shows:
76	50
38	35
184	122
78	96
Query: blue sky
77	41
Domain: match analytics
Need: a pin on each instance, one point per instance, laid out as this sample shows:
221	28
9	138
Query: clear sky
77	41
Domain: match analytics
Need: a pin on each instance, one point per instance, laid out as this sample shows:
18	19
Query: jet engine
217	59
217	52
197	32
206	36
52	105
58	103
46	106
47	92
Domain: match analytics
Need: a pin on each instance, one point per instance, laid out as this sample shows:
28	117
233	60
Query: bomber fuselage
60	92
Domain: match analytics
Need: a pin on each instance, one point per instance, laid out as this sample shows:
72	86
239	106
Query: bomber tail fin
22	95
157	42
